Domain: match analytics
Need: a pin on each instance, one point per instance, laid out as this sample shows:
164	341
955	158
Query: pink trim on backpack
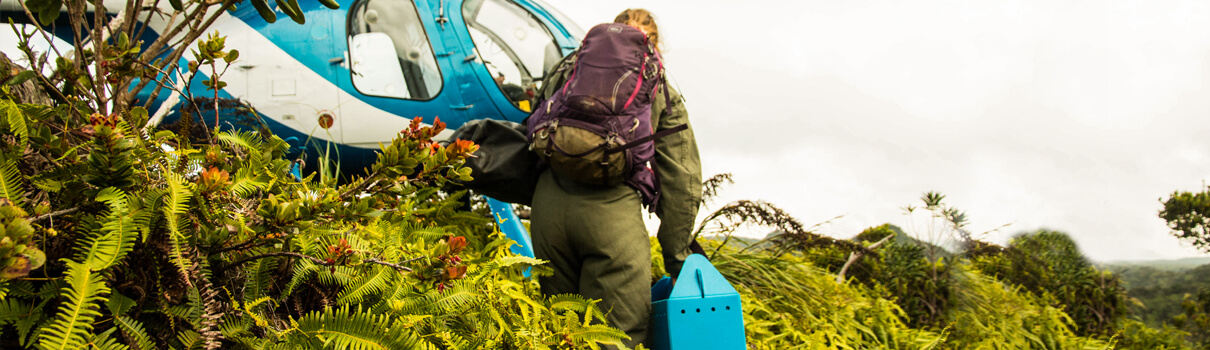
569	79
642	69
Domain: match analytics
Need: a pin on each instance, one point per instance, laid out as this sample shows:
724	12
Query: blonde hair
642	19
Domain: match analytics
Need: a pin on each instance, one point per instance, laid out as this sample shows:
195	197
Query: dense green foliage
1161	291
1050	265
1188	215
147	251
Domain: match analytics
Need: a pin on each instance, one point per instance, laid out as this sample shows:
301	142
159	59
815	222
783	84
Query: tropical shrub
1050	265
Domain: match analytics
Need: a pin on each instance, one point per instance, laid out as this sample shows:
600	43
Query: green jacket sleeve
680	172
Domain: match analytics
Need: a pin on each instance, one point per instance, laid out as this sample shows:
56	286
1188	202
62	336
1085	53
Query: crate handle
701	285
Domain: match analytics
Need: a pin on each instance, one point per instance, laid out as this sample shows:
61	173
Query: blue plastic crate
701	312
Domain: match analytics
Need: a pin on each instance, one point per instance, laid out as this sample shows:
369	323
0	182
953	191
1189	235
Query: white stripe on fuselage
367	125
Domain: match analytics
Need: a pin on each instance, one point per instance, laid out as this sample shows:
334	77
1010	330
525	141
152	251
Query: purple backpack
596	129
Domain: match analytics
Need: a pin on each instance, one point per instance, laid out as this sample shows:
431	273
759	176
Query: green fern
498	264
13	309
16	121
190	339
372	282
25	289
352	329
179	193
303	272
574	302
119	304
598	333
461	296
82	299
25	325
246	182
10	181
116	237
105	341
260	275
244	139
336	275
133	329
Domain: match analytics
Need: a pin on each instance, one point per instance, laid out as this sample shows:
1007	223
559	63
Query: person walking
594	236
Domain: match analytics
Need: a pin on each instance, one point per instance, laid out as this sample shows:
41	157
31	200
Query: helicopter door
390	52
284	87
393	67
516	51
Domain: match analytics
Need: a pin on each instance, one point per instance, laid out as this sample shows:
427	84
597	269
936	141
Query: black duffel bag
503	168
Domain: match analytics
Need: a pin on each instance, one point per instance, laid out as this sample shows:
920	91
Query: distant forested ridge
1162	289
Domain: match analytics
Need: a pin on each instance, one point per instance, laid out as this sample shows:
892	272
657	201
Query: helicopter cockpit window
389	53
516	48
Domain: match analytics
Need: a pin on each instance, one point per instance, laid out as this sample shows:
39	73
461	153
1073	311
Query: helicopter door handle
470	58
463	108
337	60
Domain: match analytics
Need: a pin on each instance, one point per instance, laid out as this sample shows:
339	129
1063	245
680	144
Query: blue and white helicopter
352	78
355	76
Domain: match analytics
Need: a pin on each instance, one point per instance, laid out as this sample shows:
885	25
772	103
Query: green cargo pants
596	241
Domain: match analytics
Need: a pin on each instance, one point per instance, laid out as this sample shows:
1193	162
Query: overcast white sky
1077	116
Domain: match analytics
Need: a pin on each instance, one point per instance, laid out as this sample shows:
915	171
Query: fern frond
458	297
234	326
175	204
244	139
133	329
342	276
25	325
16	121
245	187
105	341
81	299
252	342
303	272
119	304
115	238
13	309
598	333
259	276
250	311
179	193
501	263
373	282
515	292
572	302
354	329
189	339
26	289
10	181
390	297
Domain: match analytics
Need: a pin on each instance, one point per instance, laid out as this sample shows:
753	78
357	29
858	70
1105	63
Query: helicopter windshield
516	48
